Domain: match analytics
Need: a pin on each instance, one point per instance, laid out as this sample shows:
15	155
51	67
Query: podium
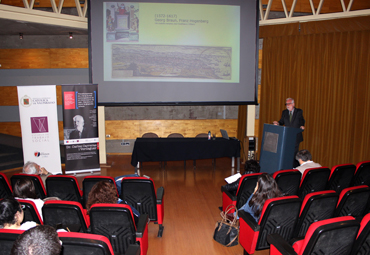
277	149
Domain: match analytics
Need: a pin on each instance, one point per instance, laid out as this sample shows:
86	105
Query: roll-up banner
39	124
80	124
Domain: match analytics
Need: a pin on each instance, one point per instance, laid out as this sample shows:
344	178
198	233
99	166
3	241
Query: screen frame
182	103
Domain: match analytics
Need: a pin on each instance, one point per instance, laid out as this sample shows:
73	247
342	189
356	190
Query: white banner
39	124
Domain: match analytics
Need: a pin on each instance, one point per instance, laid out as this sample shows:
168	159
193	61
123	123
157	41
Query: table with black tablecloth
170	149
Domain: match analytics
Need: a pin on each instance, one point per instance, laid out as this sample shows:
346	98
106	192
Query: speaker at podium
277	150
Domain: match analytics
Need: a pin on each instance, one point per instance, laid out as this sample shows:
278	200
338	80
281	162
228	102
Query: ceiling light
70	36
21	36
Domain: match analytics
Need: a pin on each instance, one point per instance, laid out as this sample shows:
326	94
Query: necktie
290	116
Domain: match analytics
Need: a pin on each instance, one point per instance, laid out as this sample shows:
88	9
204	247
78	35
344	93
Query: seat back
5	187
316	206
353	201
30	212
37	182
362	174
341	177
149	135
68	215
247	183
280	216
175	135
115	221
81	243
7	239
362	242
89	181
140	193
288	181
331	236
202	135
313	179
64	187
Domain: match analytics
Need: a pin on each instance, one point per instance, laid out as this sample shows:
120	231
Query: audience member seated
11	215
266	188
105	192
39	240
305	160
33	168
24	189
250	167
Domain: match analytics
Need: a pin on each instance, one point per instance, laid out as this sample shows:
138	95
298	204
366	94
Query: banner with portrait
80	127
39	125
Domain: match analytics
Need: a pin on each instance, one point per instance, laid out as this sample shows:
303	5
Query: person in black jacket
250	167
292	117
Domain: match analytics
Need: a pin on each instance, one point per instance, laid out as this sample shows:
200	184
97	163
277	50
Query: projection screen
174	52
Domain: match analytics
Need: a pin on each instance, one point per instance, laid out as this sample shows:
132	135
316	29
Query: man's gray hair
30	168
289	98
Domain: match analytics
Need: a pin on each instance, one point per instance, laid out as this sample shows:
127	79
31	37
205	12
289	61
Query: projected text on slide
166	61
171	42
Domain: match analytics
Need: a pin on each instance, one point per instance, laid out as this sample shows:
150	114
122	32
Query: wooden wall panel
9	96
11	128
40	3
44	58
130	129
69	58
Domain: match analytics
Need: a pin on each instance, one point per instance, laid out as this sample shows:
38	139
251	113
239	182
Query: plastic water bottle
209	135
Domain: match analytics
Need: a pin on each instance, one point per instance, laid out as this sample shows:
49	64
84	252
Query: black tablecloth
167	149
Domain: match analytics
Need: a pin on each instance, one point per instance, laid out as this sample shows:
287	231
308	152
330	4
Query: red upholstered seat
5	187
331	236
313	179
247	183
65	187
140	193
341	177
316	206
279	215
353	201
362	174
31	212
69	214
116	222
288	181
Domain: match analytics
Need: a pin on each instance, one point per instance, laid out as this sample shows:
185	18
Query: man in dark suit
80	129
292	117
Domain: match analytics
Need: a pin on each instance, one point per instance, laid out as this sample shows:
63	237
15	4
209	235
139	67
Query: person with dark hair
11	215
266	188
251	166
292	117
24	189
305	161
105	192
40	240
33	168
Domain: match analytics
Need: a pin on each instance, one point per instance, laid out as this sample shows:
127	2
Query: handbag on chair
227	230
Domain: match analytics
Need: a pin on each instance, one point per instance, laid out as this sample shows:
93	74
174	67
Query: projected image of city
168	62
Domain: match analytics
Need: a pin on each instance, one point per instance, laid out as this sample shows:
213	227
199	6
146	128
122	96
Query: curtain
328	75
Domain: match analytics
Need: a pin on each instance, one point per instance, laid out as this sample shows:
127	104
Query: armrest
280	244
160	193
133	249
247	218
141	225
230	194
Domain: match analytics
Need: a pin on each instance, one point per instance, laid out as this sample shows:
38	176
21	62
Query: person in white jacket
305	160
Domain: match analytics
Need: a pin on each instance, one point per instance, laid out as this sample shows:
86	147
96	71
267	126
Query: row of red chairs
148	201
291	182
291	220
125	241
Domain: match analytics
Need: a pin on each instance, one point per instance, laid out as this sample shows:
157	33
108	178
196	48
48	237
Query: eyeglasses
288	103
23	207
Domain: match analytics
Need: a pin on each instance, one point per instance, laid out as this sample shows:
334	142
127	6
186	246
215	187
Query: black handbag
227	230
